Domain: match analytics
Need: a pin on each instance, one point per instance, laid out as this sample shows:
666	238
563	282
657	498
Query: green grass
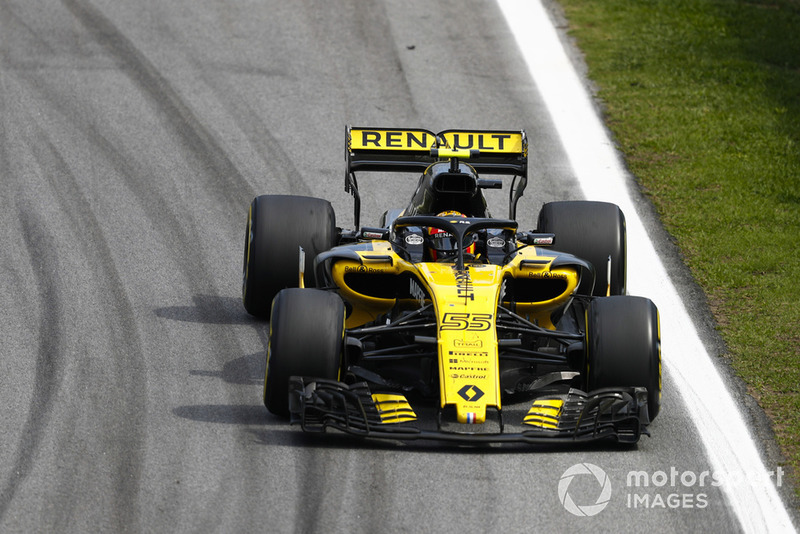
703	97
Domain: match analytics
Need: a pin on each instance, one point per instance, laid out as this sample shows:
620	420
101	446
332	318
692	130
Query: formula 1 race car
443	322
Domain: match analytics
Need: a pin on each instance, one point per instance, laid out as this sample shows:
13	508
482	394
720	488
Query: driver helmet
443	246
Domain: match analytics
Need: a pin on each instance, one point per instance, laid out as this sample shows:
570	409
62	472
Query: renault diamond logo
470	393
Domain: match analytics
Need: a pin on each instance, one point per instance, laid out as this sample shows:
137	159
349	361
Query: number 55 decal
466	321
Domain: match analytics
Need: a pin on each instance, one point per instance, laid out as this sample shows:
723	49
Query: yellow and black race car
446	323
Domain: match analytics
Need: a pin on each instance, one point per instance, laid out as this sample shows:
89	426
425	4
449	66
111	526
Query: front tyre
306	338
623	346
277	226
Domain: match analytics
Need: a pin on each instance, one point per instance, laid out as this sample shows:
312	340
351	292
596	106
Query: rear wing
499	152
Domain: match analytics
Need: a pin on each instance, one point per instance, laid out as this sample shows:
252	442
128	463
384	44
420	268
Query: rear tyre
276	227
592	231
306	338
623	346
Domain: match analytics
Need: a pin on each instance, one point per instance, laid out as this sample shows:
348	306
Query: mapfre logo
589	474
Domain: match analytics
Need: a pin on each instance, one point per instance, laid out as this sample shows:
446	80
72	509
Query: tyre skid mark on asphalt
222	178
279	164
215	164
361	499
374	36
171	225
127	385
44	263
195	136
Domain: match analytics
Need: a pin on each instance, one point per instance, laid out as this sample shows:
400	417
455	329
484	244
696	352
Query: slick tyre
277	226
592	231
306	338
623	346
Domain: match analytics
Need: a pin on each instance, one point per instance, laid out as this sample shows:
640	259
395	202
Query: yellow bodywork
465	303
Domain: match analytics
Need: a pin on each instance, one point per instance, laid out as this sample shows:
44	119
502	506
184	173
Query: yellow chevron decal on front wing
393	408
544	413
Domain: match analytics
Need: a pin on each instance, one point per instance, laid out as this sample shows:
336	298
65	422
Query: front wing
575	416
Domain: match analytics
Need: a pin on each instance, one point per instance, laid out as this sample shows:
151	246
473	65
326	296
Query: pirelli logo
424	140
